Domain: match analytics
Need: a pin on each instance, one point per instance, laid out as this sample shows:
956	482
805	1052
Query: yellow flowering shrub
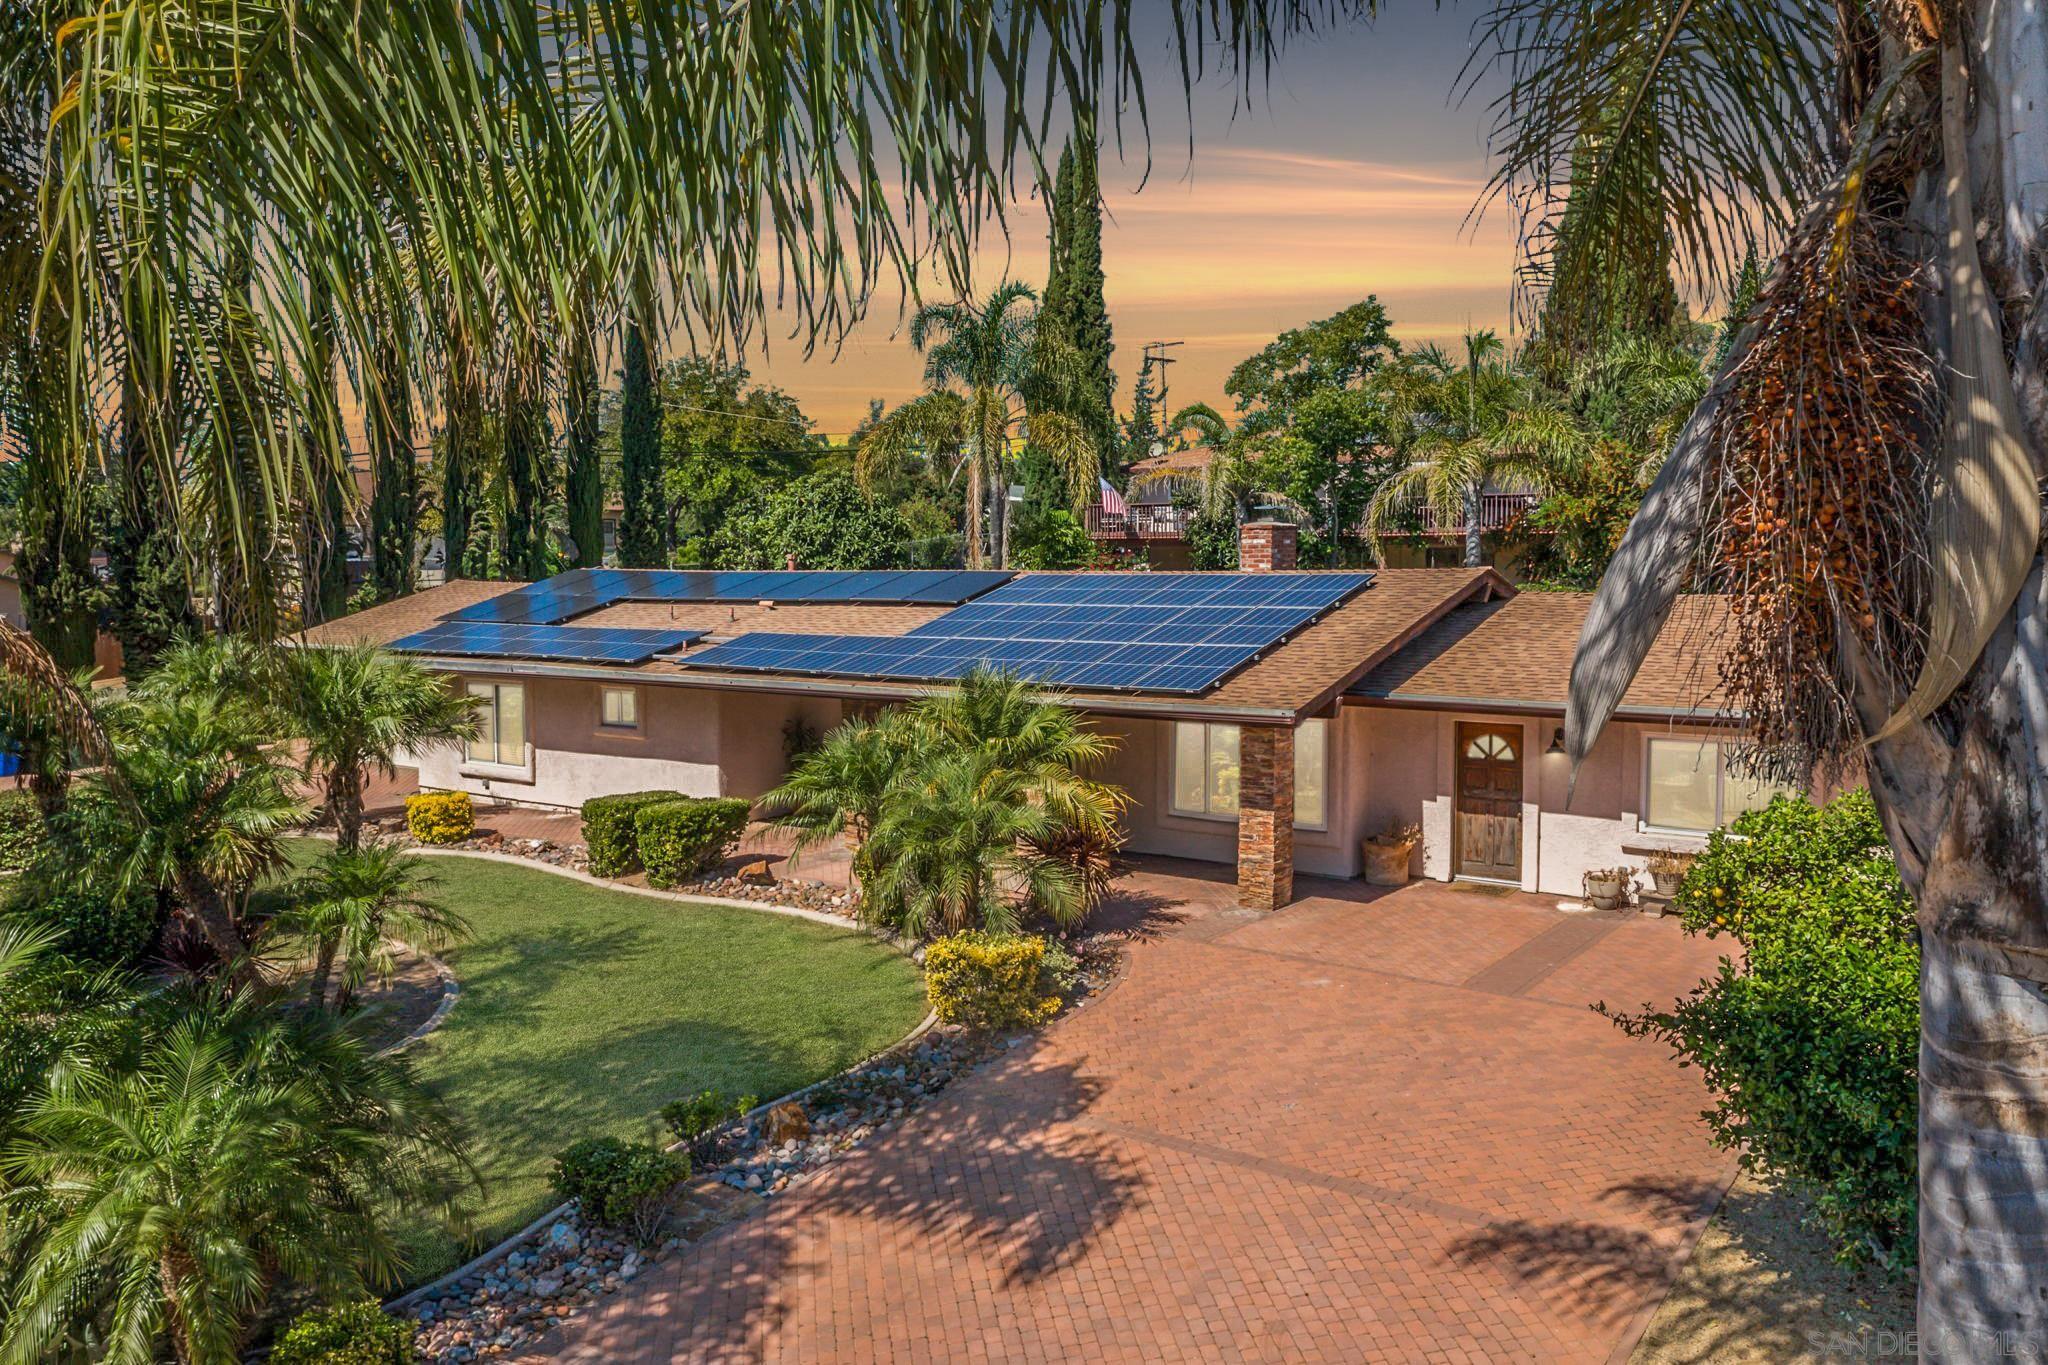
989	980
440	817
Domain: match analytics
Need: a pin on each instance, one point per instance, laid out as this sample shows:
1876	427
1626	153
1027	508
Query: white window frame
1643	823
605	692
1322	728
494	768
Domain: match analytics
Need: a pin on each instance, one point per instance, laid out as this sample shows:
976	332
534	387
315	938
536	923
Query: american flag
1112	501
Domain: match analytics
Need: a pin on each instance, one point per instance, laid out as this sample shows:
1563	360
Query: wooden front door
1488	841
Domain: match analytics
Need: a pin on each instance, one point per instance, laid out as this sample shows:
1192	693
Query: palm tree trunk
345	806
210	911
323	969
1475	552
977	493
1975	828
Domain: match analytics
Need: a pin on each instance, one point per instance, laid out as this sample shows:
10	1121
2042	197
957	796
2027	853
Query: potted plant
1389	854
1609	888
1667	871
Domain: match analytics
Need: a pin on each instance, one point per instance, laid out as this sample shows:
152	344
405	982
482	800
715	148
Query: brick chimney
1267	546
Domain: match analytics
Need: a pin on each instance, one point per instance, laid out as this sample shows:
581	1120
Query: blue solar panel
579	591
1171	633
564	644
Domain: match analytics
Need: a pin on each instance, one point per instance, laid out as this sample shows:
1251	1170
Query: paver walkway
1367	1127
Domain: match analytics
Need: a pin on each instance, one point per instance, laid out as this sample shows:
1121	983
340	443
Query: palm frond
1649	139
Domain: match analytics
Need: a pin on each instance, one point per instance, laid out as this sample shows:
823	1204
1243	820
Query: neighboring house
1153	525
1426	696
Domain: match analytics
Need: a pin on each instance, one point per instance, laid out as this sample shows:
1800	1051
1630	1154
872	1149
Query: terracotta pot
1387	864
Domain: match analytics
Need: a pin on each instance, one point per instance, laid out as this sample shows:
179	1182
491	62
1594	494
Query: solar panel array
561	644
1161	632
571	594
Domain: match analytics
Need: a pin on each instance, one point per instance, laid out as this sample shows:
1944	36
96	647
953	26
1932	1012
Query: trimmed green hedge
678	839
610	834
21	829
620	1184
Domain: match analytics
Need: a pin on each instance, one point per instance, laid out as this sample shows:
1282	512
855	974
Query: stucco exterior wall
697	742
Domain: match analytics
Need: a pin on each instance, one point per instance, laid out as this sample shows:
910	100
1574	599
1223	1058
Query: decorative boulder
786	1122
757	873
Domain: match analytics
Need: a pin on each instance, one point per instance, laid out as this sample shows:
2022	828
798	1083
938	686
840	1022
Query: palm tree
952	849
839	790
355	708
171	1185
1461	428
465	171
353	902
988	351
1207	427
1888	156
197	800
1050	745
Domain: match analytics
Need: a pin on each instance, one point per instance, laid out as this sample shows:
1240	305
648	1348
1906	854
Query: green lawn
584	1010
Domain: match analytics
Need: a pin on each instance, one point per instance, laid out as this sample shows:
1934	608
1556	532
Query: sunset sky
1353	174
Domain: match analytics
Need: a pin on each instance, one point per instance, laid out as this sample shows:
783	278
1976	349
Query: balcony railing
1140	523
1496	512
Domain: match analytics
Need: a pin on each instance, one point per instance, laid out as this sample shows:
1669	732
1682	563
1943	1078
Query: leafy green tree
1141	428
821	520
641	520
724	441
227	1148
1336	352
353	902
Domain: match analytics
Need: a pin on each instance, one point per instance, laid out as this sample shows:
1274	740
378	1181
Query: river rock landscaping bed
564	1266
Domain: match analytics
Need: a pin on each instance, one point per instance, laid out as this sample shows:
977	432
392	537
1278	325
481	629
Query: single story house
1430	697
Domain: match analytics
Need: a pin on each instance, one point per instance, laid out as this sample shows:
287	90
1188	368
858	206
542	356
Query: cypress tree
323	552
639	457
1073	342
584	482
58	588
526	463
150	597
462	456
394	473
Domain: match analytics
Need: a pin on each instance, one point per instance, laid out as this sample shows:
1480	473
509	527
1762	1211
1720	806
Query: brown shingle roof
728	619
1518	654
388	621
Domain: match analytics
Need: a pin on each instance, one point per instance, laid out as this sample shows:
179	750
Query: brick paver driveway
1359	1129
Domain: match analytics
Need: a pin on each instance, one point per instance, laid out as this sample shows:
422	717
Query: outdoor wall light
1556	743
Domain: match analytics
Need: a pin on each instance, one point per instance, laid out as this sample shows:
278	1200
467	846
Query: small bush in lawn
986	980
1810	1043
440	817
353	1334
610	834
679	839
620	1184
21	829
692	1120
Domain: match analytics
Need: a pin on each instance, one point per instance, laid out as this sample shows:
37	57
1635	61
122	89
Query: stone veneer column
1265	816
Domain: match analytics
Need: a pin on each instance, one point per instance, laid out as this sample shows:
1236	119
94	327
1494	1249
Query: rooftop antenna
1156	356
